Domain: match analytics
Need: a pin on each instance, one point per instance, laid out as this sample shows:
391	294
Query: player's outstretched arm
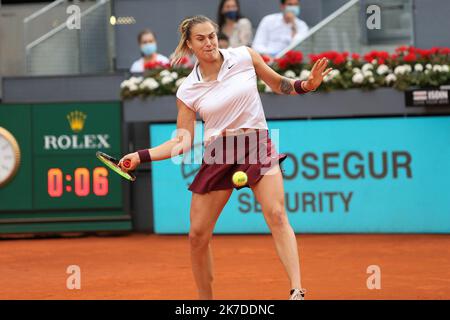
180	144
283	85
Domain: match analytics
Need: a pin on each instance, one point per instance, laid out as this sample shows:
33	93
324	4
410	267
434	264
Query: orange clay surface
246	267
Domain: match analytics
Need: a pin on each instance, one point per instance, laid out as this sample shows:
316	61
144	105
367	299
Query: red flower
290	58
369	56
339	59
355	56
294	57
184	60
434	50
423	53
314	57
401	49
266	58
411	57
383	55
379	56
445	51
155	65
282	63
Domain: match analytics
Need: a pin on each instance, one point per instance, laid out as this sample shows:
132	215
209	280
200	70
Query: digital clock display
77	182
83	181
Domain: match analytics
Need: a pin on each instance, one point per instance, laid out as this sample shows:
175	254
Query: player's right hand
132	159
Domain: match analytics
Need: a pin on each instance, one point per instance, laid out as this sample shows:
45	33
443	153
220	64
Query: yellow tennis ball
240	178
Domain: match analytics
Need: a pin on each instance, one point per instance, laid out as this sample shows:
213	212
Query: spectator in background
231	23
148	46
278	30
224	42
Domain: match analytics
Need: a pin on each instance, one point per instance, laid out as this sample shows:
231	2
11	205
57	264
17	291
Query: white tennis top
229	103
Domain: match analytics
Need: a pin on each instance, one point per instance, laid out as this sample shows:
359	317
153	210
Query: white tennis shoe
297	294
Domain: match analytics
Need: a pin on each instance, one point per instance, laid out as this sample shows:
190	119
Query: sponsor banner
428	97
76	128
345	175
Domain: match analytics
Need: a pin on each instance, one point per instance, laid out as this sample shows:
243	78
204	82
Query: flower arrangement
406	67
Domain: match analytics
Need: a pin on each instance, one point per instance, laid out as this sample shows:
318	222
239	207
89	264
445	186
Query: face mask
233	15
148	49
293	9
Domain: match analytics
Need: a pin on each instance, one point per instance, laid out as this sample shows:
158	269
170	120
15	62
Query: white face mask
293	9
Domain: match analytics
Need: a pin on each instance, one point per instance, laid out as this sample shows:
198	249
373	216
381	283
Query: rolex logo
76	120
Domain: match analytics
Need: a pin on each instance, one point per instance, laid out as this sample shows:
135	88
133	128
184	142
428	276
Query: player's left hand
133	159
318	72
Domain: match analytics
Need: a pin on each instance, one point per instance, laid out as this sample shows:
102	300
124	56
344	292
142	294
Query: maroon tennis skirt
252	152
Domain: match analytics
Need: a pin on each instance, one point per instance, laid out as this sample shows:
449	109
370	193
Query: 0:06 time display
81	181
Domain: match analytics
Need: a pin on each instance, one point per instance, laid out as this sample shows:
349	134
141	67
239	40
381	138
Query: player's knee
198	239
277	216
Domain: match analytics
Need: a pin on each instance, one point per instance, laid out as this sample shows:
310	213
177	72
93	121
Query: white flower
304	75
174	75
165	73
124	84
129	84
382	69
418	67
166	80
133	87
367	73
349	63
150	83
427	71
179	82
437	68
367	66
333	74
290	74
374	61
429	66
356	70
445	68
136	80
407	68
399	70
358	78
371	79
390	78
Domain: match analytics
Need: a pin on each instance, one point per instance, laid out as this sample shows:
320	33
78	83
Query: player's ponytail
185	28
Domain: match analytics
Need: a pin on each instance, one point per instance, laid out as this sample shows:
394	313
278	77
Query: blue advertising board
377	175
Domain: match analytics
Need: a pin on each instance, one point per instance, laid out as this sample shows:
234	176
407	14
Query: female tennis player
222	87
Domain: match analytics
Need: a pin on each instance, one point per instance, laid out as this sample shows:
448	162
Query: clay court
246	267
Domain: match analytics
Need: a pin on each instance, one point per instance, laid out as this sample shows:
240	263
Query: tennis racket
113	164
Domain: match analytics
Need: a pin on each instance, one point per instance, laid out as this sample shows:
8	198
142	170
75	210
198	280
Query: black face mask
232	15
